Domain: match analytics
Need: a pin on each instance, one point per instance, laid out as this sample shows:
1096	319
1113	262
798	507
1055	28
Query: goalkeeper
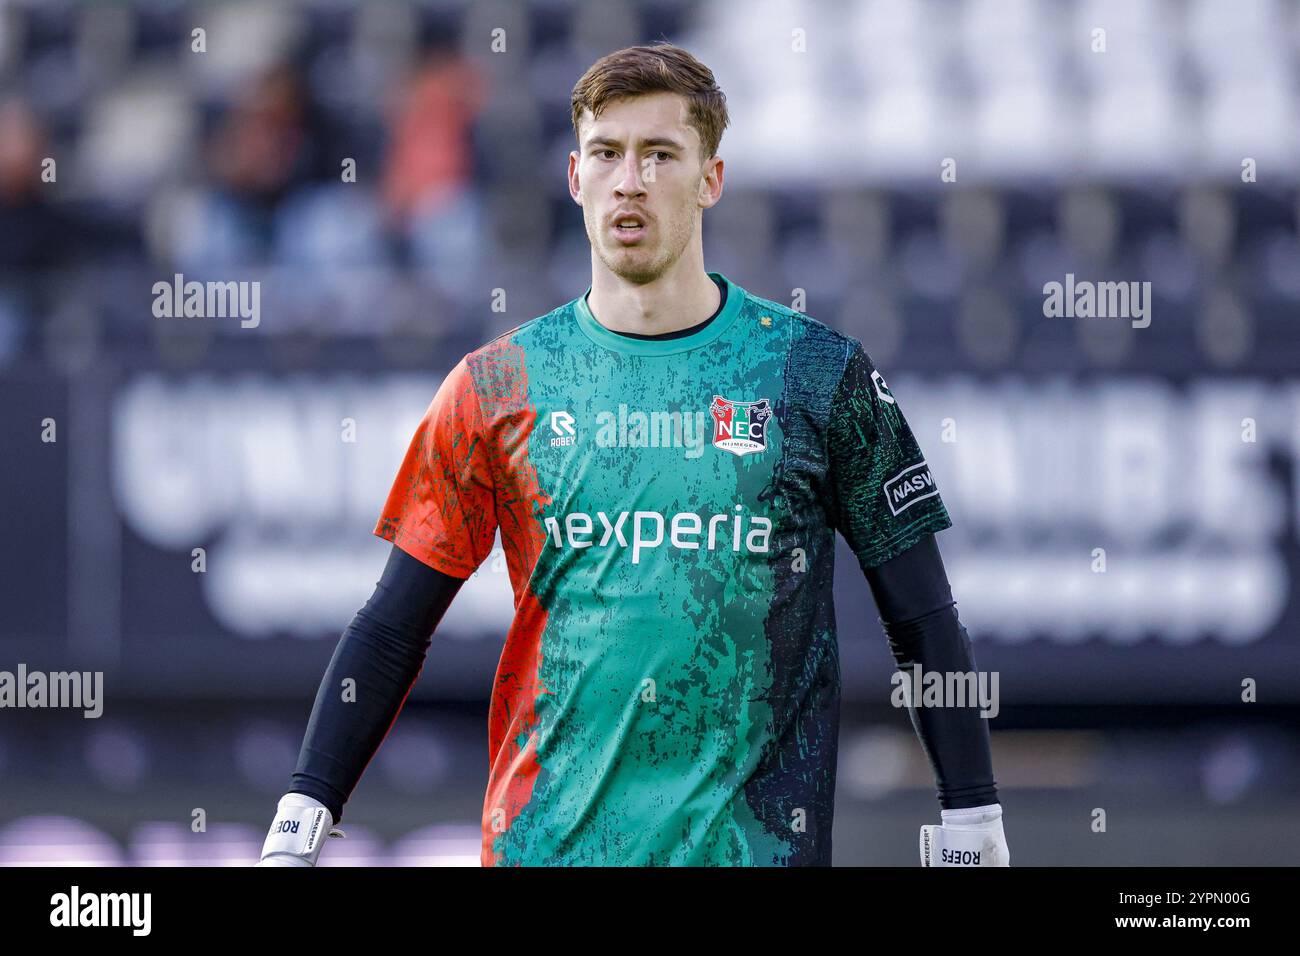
668	459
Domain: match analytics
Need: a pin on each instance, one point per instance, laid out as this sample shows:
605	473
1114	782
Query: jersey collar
622	343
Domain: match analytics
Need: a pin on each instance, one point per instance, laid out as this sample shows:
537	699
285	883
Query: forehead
649	116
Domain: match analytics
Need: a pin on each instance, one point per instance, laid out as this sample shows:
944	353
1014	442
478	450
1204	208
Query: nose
630	184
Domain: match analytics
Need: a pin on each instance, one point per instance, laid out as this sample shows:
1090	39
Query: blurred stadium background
1120	690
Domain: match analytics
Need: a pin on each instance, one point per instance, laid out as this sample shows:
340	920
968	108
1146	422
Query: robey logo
562	426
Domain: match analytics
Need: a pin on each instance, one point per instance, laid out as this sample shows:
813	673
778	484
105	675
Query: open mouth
629	227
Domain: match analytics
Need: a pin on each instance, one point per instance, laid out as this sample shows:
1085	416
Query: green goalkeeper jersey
668	691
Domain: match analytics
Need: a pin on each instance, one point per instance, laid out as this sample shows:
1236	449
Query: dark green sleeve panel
883	497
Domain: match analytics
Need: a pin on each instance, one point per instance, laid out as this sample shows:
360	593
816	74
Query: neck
676	300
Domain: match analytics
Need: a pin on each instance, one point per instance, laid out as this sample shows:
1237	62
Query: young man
668	459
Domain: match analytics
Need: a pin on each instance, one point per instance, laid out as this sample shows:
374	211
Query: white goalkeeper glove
970	837
298	832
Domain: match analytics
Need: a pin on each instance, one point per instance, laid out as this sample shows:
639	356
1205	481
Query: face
642	160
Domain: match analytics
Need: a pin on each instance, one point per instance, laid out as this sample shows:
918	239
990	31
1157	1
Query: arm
883	498
382	652
440	518
920	621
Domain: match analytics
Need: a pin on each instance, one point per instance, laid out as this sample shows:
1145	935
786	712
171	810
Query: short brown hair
661	68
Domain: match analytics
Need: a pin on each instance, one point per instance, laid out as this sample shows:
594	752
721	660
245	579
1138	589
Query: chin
637	265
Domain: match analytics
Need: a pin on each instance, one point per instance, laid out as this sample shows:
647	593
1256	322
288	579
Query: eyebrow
653	141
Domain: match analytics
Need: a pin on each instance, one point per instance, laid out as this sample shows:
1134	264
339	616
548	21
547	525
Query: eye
666	156
604	151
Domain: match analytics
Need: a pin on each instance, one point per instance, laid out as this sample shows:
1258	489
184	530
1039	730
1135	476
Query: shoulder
512	338
558	316
818	352
497	370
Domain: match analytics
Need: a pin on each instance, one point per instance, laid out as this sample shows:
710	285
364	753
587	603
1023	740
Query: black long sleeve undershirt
382	650
920	621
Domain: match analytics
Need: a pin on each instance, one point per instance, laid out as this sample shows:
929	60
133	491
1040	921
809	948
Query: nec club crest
740	427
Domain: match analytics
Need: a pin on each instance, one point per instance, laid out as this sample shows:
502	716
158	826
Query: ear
711	182
575	184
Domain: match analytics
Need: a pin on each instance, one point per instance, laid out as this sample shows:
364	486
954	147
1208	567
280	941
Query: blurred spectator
35	233
431	158
267	142
427	181
272	141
